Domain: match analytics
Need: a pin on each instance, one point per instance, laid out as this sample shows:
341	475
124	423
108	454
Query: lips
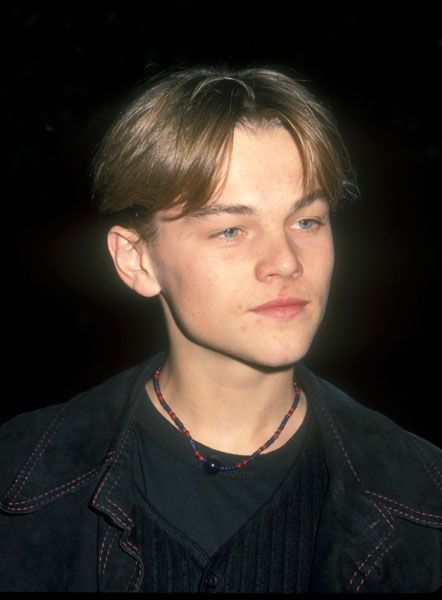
281	307
281	302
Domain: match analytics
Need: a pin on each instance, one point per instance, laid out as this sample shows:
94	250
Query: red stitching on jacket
30	463
97	493
117	455
137	567
371	568
126	544
111	543
131	544
22	508
128	517
415	518
116	505
359	567
100	554
115	481
123	445
383	515
113	514
340	442
403	505
65	485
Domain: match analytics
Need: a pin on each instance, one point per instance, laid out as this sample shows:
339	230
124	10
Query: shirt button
211	580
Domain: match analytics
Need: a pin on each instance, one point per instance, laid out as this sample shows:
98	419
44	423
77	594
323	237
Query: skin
229	371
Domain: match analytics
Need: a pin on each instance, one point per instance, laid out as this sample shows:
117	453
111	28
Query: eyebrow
244	209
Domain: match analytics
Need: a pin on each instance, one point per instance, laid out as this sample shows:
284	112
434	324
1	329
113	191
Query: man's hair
169	147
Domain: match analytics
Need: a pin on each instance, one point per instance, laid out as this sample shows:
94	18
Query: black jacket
66	471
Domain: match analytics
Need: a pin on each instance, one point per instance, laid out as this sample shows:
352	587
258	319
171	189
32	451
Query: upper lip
278	302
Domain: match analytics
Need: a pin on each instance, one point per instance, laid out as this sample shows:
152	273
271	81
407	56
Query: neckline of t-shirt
173	441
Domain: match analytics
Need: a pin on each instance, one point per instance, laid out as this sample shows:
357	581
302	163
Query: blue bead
212	465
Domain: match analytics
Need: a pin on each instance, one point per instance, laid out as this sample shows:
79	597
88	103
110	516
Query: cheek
192	285
328	264
319	268
331	261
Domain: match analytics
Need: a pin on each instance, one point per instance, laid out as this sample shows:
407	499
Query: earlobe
132	261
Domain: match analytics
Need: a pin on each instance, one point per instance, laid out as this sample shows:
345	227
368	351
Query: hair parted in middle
170	146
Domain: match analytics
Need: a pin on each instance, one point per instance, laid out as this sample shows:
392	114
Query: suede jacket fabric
67	507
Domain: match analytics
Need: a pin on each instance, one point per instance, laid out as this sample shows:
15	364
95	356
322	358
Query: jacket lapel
363	544
80	447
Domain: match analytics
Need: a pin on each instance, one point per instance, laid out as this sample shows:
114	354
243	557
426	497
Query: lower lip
281	312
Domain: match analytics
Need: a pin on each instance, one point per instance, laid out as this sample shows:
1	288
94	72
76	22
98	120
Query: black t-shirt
207	508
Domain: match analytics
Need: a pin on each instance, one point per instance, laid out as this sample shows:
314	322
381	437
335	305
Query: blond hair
169	146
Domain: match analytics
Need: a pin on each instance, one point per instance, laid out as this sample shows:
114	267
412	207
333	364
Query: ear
132	261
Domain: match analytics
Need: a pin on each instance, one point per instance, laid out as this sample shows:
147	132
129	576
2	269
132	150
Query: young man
222	464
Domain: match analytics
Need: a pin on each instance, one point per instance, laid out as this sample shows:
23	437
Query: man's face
214	269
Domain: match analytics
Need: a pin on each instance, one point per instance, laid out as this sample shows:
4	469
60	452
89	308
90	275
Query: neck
227	404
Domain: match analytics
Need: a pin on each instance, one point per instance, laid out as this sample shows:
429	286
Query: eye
228	234
308	224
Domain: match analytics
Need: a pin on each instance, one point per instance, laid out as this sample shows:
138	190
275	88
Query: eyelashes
225	233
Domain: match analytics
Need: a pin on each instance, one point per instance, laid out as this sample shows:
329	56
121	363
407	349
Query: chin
282	362
276	358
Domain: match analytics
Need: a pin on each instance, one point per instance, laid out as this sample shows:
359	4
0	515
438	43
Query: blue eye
308	224
226	233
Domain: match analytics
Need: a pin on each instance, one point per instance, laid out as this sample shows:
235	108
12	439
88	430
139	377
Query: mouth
282	308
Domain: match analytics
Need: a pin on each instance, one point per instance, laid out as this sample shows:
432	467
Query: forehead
265	166
263	153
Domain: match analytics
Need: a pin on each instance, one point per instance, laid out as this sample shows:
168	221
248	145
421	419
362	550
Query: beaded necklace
212	464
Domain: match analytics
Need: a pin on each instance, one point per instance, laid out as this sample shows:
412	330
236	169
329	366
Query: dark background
68	322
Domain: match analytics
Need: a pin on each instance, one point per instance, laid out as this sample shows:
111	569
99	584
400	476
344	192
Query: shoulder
356	420
367	423
385	459
81	429
87	404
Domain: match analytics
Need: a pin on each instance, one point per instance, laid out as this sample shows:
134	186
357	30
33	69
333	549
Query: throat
246	429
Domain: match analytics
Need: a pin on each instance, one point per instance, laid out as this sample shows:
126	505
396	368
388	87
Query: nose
279	257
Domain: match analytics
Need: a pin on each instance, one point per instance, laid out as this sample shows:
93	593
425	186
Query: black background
68	322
